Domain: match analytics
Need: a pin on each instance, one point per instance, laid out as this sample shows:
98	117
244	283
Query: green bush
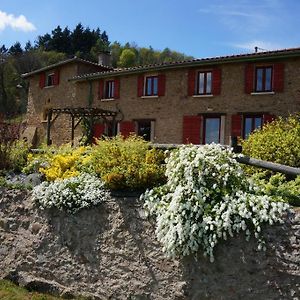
13	155
127	164
278	141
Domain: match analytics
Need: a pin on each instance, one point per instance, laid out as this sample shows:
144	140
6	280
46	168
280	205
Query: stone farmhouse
197	101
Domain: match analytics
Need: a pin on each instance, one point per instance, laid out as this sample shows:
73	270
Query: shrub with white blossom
207	198
71	194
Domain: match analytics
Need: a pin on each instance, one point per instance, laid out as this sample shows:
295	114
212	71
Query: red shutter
56	77
140	86
191	129
100	89
42	82
249	79
216	81
98	131
117	89
278	77
127	127
236	125
161	84
267	118
191	82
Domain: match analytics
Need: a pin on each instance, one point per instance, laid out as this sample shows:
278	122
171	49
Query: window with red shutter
249	78
42	81
126	128
140	85
117	88
98	131
56	77
216	82
100	89
191	129
161	84
278	77
191	82
236	125
268	118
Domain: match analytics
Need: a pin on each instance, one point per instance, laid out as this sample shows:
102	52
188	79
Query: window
212	129
251	123
144	129
50	79
109	89
204	83
263	79
151	86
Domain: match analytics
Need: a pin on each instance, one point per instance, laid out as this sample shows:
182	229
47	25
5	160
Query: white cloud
15	22
262	46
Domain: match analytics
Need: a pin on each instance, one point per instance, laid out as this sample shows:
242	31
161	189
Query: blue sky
195	27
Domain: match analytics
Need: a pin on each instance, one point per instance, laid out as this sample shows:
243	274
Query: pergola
77	114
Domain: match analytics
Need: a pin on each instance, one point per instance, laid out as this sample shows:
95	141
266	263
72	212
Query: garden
198	196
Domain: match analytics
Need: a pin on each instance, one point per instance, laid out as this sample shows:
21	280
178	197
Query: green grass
10	291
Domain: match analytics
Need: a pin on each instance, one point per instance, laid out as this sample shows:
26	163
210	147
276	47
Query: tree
16	49
127	58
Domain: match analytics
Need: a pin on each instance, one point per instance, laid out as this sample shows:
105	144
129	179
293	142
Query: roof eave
217	61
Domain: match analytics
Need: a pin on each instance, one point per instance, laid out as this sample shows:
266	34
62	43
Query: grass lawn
10	291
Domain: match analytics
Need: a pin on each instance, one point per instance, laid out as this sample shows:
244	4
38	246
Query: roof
61	63
257	56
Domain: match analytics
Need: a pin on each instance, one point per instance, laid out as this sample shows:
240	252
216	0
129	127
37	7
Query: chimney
104	59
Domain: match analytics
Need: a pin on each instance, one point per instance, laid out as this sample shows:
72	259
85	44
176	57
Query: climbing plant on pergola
77	114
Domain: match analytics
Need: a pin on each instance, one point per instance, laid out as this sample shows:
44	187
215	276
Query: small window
144	129
204	83
151	86
250	124
212	130
263	79
109	89
50	79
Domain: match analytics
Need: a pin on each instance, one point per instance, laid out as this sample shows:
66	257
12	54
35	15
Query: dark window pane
248	127
268	81
155	85
212	130
208	83
144	130
259	80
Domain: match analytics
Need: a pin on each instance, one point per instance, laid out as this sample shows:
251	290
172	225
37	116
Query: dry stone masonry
110	252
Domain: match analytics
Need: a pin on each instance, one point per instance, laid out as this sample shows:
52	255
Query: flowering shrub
207	198
60	163
127	164
72	193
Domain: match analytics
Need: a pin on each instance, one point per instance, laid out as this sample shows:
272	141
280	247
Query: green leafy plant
278	141
127	163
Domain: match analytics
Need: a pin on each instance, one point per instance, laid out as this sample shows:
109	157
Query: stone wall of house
110	252
168	111
59	96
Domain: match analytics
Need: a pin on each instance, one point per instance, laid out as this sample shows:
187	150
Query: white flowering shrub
207	198
71	194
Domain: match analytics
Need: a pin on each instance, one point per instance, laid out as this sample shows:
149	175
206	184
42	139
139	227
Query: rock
33	179
35	228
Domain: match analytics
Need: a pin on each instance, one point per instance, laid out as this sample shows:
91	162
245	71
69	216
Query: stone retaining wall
110	252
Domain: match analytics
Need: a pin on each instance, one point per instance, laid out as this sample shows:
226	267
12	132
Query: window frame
151	122
48	76
263	80
213	116
252	117
205	72
109	89
151	77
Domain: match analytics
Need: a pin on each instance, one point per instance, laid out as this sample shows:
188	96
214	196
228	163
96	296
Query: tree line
61	44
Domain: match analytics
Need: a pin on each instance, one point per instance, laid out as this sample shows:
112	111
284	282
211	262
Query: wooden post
49	117
114	131
72	129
